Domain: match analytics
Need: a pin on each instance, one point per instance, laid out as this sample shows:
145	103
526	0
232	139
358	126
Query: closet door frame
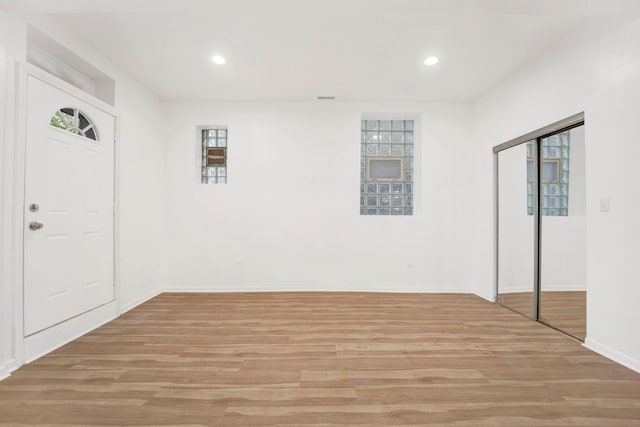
537	135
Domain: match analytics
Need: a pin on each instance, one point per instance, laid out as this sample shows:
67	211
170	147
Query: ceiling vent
326	98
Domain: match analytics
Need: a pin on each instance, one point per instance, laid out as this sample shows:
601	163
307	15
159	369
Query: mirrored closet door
516	238
563	232
541	226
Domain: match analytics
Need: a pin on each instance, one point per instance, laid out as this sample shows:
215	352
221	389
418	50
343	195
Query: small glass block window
214	156
74	121
386	167
554	186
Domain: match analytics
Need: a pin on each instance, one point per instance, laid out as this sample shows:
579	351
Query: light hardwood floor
258	359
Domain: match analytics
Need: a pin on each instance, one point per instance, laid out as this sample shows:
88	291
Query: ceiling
301	49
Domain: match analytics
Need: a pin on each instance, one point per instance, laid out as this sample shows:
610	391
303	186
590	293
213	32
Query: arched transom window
74	121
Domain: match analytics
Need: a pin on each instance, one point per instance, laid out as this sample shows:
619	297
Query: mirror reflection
563	265
516	230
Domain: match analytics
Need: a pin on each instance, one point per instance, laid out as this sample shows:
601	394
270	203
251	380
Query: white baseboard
7	367
356	288
134	304
516	289
545	288
44	342
556	287
612	354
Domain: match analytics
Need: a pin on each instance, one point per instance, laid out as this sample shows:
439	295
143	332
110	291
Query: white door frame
23	70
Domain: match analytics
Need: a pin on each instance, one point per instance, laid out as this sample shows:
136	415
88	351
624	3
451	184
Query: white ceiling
301	49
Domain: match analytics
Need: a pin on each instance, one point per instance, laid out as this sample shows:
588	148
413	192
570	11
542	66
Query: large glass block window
214	156
554	187
386	167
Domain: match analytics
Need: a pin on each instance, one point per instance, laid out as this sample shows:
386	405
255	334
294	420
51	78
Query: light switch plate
605	204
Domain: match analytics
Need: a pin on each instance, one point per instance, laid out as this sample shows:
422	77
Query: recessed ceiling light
432	60
217	59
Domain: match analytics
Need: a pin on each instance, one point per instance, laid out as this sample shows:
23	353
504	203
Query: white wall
141	180
5	290
142	204
12	31
5	321
289	216
594	71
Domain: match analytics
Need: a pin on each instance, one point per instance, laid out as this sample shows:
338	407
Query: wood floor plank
321	359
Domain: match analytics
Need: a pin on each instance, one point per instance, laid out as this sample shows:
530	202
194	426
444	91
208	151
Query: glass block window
554	197
386	167
74	121
214	156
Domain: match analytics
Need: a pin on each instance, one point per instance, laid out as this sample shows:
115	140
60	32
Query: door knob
36	225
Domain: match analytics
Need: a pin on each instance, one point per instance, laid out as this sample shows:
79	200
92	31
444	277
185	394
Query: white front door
68	213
